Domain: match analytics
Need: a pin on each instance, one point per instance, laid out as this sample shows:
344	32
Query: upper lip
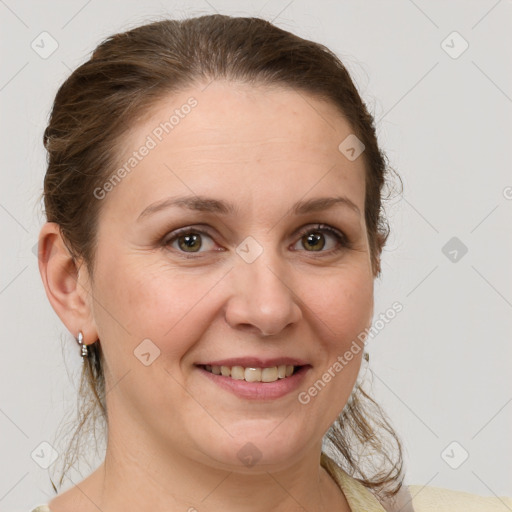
256	362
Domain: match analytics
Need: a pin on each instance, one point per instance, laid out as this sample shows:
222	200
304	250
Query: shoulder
427	499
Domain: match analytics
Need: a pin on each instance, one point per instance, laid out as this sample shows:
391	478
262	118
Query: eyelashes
193	239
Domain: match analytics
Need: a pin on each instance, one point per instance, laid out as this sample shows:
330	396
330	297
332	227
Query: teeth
253	374
269	374
249	374
236	372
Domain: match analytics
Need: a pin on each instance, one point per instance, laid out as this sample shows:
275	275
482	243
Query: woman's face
249	276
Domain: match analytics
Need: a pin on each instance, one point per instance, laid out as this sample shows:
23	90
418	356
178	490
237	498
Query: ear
67	287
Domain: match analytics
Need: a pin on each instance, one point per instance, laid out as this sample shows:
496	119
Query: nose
263	299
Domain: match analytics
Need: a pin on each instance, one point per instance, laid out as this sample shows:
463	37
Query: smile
252	383
249	374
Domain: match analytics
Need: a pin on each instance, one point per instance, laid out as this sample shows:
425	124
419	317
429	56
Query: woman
213	197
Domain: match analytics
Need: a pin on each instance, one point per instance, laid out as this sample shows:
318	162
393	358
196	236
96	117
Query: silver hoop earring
85	352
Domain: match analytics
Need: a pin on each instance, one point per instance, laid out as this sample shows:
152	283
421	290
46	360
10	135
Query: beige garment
412	498
448	500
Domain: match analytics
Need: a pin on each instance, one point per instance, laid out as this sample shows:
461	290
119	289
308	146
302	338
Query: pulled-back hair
125	77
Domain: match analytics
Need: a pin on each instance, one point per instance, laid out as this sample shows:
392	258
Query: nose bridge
263	296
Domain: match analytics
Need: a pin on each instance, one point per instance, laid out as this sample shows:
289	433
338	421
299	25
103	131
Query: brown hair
130	72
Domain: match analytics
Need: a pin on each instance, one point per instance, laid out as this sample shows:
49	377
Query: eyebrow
207	204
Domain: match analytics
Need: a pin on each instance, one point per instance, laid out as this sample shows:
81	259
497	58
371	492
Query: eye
188	240
315	238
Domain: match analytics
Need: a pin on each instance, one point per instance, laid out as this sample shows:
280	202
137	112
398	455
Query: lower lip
259	390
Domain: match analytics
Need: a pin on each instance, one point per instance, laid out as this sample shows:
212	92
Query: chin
254	451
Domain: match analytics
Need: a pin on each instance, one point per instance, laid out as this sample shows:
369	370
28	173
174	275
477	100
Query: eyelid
199	228
321	227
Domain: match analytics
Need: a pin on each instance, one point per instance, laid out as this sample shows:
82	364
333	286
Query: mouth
261	383
253	374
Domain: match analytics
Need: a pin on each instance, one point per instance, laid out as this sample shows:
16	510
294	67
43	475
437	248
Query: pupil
190	240
315	238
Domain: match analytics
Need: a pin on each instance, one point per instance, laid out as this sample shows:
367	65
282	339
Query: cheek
153	302
344	306
341	311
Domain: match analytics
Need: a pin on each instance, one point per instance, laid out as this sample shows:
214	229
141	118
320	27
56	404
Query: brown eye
187	240
192	242
314	239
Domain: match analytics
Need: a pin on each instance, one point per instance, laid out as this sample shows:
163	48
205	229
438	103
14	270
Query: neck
145	477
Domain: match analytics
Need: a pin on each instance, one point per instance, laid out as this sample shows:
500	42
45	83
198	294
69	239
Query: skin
173	435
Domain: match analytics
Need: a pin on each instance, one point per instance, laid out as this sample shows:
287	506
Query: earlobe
66	293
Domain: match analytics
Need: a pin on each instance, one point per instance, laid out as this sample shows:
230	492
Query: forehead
267	143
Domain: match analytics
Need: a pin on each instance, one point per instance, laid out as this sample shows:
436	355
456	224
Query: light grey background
442	366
